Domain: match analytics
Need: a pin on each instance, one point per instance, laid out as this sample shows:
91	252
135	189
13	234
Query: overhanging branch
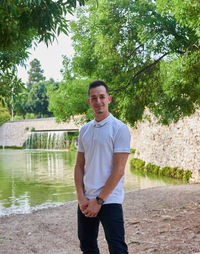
139	73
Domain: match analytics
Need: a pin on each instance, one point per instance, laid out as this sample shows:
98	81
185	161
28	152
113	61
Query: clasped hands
90	208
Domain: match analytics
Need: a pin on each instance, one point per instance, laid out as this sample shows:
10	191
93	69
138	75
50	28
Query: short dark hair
97	83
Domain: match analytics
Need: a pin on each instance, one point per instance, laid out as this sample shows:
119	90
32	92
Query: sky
50	58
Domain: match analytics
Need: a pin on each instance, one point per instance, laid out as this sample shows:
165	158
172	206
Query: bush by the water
132	151
175	172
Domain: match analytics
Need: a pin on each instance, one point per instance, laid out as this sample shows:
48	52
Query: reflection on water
33	179
135	180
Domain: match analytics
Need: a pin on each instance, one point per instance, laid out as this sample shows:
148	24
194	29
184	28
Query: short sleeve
80	144
122	140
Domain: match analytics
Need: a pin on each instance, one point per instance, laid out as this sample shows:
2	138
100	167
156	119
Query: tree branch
133	51
139	73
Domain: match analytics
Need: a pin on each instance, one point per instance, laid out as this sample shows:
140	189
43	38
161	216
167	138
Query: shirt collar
101	123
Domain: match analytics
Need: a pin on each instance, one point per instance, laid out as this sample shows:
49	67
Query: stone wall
177	145
15	133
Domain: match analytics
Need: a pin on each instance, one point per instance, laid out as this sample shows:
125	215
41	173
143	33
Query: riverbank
164	220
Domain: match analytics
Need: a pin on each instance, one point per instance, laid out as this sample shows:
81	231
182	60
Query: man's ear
88	101
109	99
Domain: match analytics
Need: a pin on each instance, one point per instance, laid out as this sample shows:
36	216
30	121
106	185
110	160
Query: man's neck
100	117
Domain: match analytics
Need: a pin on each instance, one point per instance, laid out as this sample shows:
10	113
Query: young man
104	146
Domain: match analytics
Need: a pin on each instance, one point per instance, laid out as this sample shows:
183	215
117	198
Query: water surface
34	179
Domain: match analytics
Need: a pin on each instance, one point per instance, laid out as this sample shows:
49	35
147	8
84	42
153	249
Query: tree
38	100
4	112
136	49
19	105
186	12
69	99
18	95
9	83
180	75
35	73
24	22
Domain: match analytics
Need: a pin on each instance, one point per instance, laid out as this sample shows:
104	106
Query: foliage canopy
35	74
4	112
147	55
69	99
23	22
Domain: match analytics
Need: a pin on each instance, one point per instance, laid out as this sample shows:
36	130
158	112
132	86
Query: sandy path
163	220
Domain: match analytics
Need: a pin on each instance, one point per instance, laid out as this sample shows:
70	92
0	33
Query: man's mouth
98	107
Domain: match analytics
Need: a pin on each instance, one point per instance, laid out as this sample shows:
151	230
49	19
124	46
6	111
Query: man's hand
83	204
92	208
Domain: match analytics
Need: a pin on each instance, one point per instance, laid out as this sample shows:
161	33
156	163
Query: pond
35	179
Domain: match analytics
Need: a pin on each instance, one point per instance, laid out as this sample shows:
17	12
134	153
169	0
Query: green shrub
186	175
151	168
16	118
179	173
29	116
173	172
72	137
133	151
165	171
138	164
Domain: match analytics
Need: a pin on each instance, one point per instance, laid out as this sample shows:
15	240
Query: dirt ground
164	220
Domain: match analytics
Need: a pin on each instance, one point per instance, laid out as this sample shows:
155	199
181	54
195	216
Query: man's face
99	100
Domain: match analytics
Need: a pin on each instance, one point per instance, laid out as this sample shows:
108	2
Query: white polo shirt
98	141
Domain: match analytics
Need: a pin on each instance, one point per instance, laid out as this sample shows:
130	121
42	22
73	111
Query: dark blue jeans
111	218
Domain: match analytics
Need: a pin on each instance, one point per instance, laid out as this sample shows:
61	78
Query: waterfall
50	140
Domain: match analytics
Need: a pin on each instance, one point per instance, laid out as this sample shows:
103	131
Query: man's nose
98	100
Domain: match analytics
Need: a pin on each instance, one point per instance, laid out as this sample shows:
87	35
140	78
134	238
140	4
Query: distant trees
34	99
19	105
23	23
35	74
146	52
4	112
69	98
38	100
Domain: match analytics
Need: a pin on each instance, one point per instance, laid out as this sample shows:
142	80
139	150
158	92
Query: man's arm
78	179
119	163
